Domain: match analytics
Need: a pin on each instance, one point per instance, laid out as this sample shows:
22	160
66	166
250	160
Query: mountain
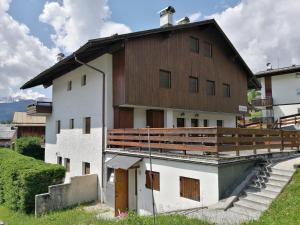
7	108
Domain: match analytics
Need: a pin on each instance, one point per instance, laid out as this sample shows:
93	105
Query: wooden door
121	191
155	118
123	117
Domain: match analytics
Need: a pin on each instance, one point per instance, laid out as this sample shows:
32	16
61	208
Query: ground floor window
180	122
67	164
205	123
155	180
110	175
190	188
219	123
59	160
194	123
86	168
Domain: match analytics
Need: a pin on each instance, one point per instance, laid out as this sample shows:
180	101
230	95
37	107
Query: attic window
194	44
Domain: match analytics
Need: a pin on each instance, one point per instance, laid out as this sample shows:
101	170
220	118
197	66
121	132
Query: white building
186	75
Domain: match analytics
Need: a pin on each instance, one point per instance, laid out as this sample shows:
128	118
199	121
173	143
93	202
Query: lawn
78	216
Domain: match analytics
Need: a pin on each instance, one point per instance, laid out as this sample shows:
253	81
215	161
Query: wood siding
144	57
123	117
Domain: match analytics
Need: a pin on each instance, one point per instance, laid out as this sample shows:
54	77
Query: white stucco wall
168	198
76	104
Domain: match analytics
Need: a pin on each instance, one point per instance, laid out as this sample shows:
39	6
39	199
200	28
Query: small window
59	160
110	175
205	123
207	49
194	44
226	90
219	123
67	164
210	88
190	188
155	180
180	122
71	125
299	110
83	80
164	79
69	85
87	125
86	168
194	123
58	126
193	84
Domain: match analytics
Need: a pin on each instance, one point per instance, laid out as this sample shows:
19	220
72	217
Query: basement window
71	125
190	188
155	180
86	168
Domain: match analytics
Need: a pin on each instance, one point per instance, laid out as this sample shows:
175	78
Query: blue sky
137	14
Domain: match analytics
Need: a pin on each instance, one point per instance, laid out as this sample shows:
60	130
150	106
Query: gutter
103	115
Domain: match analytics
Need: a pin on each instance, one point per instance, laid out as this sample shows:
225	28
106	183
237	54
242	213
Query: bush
22	178
30	146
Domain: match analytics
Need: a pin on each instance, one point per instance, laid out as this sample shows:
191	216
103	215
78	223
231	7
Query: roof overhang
278	72
123	162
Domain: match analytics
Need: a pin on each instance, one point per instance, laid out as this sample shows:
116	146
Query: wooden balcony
213	140
262	102
40	109
288	120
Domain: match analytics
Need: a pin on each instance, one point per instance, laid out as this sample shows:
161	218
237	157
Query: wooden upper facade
136	72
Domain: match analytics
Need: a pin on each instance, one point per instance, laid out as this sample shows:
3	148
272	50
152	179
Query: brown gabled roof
97	47
279	71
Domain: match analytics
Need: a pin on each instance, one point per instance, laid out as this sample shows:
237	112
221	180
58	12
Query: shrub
23	177
30	146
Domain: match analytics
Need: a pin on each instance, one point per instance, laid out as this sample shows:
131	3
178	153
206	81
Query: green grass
285	210
78	216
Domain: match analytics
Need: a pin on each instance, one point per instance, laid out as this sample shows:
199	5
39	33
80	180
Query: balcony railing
288	120
264	120
213	140
262	102
39	109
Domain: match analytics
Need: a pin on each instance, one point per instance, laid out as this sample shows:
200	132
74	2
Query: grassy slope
285	210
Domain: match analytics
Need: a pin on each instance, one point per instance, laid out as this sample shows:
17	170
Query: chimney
60	56
183	20
269	66
166	16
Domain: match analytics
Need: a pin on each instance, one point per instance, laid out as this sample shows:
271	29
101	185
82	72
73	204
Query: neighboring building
187	75
7	135
27	125
280	93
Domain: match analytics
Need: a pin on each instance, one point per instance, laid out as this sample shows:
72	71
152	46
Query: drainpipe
103	114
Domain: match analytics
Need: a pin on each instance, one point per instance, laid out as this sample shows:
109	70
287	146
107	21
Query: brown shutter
190	188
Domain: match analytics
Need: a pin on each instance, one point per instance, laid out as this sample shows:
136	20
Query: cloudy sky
32	32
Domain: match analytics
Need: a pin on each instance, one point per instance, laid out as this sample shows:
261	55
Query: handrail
212	139
43	103
266	101
287	120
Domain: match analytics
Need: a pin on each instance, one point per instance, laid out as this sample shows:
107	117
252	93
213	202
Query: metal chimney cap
60	56
169	9
183	20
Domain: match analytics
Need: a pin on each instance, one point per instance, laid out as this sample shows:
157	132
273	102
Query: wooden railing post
237	143
298	140
282	140
254	143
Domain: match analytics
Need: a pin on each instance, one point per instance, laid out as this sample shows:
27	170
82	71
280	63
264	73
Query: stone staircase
262	190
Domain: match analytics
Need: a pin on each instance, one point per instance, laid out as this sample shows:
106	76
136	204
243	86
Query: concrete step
274	188
257	186
282	172
262	192
279	177
258	198
277	182
251	204
249	213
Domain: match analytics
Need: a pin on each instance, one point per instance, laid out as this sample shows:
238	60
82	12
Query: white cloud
195	16
264	31
21	56
27	94
76	21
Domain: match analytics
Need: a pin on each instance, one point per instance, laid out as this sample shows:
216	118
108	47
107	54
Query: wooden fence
212	139
288	120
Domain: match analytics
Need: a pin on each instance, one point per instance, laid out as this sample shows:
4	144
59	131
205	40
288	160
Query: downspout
103	115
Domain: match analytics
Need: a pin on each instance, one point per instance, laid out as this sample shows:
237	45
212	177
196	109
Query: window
110	175
58	126
226	90
87	125
193	84
219	123
194	122
298	110
210	88
207	49
190	188
180	122
69	85
67	164
71	125
194	44
155	180
59	160
205	123
164	79
86	168
83	80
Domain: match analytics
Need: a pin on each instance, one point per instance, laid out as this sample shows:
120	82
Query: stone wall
80	189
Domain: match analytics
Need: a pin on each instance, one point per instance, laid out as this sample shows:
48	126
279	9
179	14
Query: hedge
22	177
30	146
